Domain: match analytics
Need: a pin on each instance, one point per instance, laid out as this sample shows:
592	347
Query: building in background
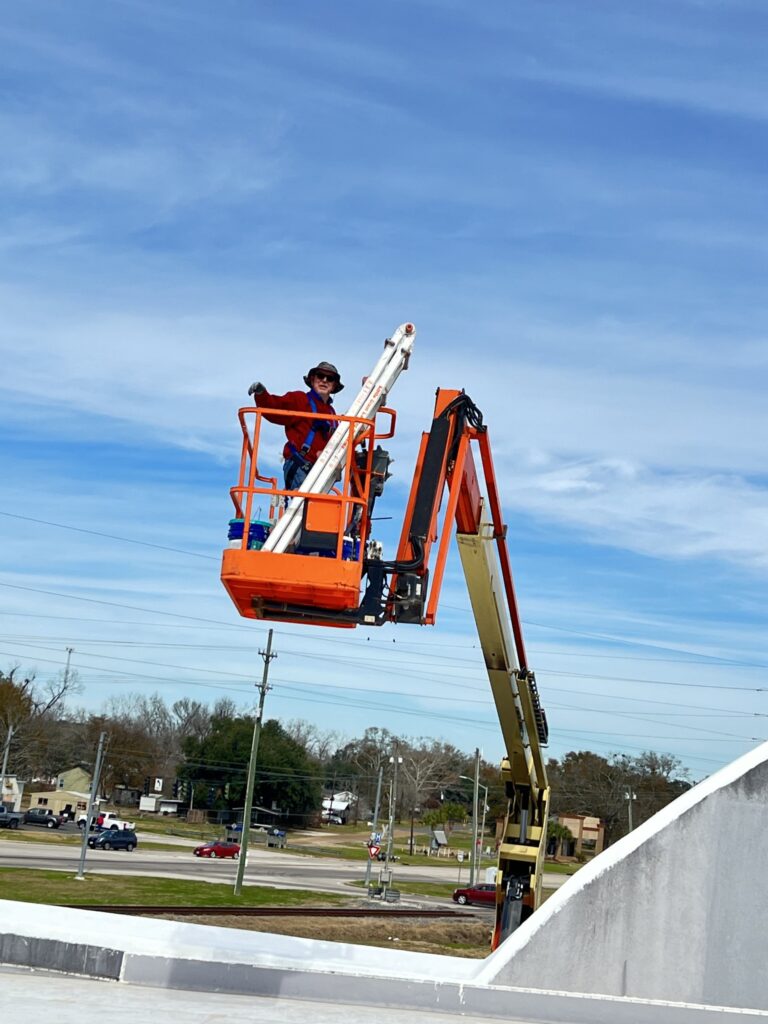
12	792
588	837
339	807
61	801
77	779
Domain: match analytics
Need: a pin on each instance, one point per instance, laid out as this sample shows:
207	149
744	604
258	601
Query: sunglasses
330	377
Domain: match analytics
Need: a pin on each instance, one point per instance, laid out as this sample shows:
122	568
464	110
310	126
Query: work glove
257	388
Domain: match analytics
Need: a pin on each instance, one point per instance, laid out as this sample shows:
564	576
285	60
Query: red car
218	848
485	894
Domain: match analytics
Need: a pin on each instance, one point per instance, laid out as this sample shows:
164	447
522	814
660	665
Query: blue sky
570	203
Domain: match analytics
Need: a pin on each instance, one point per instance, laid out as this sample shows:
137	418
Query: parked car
42	816
217	848
482	894
114	839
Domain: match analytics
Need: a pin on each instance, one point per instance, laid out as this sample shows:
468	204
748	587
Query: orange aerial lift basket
318	578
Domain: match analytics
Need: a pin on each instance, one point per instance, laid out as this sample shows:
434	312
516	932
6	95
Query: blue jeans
294	474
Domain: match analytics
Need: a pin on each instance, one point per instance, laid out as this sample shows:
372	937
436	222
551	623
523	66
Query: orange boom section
318	580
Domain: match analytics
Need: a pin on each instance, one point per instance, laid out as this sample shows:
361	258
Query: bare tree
225	707
192	718
32	708
426	763
318	744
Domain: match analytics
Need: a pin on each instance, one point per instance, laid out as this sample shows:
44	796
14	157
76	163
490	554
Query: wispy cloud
682	516
45	162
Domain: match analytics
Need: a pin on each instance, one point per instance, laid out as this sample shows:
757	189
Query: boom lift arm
446	463
319	581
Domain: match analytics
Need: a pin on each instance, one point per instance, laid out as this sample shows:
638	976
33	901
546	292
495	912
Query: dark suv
114	839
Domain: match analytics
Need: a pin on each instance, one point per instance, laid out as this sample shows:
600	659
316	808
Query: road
275	868
278	868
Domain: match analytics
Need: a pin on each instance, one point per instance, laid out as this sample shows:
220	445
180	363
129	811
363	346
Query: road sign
373	852
460	856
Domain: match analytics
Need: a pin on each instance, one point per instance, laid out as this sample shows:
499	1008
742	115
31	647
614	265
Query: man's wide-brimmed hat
325	368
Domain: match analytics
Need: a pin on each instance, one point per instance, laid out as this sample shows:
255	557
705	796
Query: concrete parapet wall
340	980
677	910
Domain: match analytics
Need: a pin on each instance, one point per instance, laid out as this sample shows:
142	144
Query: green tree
558	834
445	816
286	778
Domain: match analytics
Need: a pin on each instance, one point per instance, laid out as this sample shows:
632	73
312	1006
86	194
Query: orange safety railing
252	576
355	479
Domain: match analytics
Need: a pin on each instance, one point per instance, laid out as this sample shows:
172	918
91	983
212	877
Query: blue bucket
350	549
235	529
258	532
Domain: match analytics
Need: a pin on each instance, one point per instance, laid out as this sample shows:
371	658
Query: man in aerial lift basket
305	439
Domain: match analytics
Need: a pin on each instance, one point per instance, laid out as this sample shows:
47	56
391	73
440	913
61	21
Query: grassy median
29	885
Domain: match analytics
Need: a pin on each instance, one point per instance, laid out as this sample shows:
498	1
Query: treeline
204	750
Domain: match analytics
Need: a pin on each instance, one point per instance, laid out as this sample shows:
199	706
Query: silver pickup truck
9	819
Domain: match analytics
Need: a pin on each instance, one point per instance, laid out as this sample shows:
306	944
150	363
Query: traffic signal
147	783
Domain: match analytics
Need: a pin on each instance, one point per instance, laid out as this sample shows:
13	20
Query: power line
602	637
463	686
109	536
416	695
117	604
214	626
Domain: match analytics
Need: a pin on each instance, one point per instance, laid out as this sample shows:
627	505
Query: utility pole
394	761
629	796
477	839
475	797
6	752
410	841
386	877
80	876
374	828
482	827
267	655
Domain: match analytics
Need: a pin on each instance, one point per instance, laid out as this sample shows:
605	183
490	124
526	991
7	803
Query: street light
394	761
477	840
